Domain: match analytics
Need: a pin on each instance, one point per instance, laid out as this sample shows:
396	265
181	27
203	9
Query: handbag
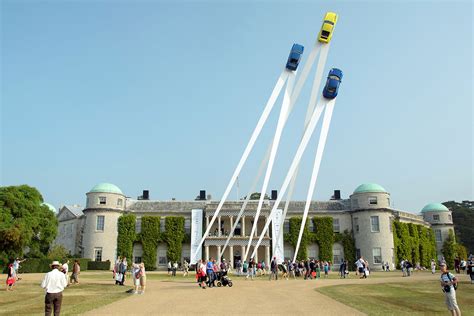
10	281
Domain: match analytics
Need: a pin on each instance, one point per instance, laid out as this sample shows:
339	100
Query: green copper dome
435	207
106	188
52	208
369	187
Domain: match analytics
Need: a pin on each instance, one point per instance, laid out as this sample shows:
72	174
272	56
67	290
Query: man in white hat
54	283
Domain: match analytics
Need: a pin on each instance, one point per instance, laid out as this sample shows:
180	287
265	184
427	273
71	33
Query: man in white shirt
65	267
54	283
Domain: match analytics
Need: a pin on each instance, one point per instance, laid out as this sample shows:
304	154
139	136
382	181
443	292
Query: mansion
91	232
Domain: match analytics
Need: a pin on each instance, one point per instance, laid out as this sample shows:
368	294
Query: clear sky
164	95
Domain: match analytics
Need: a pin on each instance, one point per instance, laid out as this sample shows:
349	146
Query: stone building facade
367	214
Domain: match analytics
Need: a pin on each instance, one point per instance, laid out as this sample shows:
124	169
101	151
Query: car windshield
331	89
329	22
325	33
334	77
293	60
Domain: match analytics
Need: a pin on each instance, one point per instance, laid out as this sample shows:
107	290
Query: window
286	226
98	254
102	200
377	253
388	201
137	260
119	202
336	255
356	224
390	224
436	218
100	222
311	226
162	224
162	260
335	225
374	223
450	218
438	235
357	253
138	225
372	200
187	226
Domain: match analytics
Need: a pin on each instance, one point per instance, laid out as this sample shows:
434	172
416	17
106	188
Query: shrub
174	236
126	235
324	236
150	237
98	265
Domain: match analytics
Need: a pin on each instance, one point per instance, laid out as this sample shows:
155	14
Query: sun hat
55	263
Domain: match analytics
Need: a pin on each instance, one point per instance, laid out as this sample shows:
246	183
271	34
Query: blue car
295	57
332	84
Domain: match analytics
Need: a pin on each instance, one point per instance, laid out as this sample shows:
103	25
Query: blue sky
164	96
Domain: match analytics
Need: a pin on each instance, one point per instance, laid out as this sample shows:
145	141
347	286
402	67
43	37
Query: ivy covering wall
126	235
414	243
292	237
150	237
323	235
174	236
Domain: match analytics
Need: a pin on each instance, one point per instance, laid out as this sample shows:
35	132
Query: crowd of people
137	274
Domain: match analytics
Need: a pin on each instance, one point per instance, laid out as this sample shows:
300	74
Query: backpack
450	280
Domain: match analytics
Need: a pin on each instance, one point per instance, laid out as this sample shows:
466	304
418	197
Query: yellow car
327	29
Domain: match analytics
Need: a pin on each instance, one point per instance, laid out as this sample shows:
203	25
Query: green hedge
98	265
37	265
348	242
449	249
174	236
150	237
126	235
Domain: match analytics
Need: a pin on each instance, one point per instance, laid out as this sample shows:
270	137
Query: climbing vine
174	236
324	236
414	243
292	237
149	237
126	235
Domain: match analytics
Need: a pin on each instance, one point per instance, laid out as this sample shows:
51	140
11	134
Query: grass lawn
28	297
417	298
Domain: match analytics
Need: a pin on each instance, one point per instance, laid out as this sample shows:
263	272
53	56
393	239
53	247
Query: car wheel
230	284
219	284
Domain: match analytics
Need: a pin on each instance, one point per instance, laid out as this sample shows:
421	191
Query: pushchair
223	279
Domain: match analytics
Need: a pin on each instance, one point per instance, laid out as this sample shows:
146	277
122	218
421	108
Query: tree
449	249
256	196
25	224
58	252
463	219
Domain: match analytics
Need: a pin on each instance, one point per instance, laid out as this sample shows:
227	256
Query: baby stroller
223	279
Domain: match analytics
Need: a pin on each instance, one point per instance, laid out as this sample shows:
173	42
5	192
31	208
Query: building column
207	224
242	254
267	233
256	254
242	228
231	256
231	218
218	254
206	253
267	255
219	225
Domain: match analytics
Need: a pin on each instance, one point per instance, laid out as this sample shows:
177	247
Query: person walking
65	270
201	271
175	268
185	268
76	269
11	279
142	274
360	266
135	277
448	282
16	268
53	283
210	272
123	269
274	269
433	266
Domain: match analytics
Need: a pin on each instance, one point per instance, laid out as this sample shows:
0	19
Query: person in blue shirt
210	272
448	283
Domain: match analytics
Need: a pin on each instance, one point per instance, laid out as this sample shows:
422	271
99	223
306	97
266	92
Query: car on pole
332	83
294	57
325	34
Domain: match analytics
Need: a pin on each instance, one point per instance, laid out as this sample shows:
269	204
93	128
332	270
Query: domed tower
441	220
51	207
372	224
105	203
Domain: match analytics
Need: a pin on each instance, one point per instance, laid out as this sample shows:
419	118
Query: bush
126	235
174	236
149	237
41	265
324	235
98	265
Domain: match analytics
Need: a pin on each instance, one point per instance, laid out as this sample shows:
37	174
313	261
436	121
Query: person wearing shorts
142	278
448	282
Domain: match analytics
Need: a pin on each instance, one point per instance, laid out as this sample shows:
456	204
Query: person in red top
10	277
